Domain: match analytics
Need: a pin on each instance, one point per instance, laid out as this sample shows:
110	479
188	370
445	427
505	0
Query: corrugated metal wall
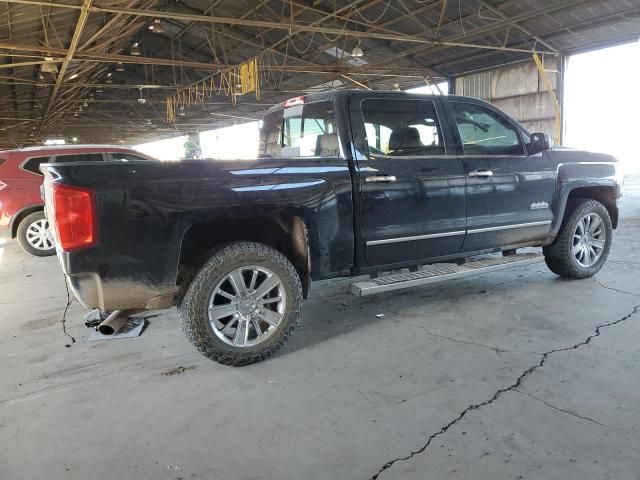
518	90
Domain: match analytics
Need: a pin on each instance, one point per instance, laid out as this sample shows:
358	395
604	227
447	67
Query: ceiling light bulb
119	67
357	51
135	49
156	26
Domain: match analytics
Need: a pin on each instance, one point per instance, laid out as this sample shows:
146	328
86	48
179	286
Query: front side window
485	132
33	164
397	127
300	131
80	157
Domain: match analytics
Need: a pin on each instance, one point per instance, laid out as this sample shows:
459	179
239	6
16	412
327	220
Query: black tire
193	306
22	231
559	256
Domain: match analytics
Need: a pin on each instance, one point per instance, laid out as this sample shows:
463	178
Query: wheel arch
286	233
20	215
565	201
603	194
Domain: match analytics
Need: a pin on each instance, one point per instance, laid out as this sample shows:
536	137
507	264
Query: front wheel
34	235
583	243
243	305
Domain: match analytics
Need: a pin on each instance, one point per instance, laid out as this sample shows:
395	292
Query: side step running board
441	272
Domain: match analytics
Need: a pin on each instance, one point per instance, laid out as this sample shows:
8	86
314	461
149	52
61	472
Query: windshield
300	131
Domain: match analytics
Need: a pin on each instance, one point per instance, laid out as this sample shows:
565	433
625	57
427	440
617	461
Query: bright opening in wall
236	142
602	102
168	149
441	88
55	141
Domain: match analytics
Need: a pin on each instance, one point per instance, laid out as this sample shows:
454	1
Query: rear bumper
92	292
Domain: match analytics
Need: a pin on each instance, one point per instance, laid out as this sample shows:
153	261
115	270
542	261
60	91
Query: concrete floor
502	376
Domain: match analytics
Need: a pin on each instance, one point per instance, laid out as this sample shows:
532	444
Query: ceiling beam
75	40
288	26
140	60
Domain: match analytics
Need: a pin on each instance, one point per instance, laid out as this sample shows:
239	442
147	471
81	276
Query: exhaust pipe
115	321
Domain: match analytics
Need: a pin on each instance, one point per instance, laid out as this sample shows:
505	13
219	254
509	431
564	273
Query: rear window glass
33	164
301	131
125	157
80	157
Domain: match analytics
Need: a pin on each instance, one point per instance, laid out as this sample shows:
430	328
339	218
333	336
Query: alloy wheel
589	239
246	306
39	235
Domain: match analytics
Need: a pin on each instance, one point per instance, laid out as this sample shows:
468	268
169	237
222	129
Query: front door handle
380	179
481	173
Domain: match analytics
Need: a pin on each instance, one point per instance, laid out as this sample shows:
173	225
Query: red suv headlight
75	217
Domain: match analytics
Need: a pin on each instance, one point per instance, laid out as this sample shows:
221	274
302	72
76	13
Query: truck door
411	184
509	192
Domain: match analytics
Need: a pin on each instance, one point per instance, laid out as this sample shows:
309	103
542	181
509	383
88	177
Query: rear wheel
243	305
583	243
34	235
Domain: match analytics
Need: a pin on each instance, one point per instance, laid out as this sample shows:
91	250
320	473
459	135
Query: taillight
76	219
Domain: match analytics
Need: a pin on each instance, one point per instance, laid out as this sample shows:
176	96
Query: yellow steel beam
556	104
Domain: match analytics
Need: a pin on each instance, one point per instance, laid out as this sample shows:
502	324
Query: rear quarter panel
144	210
22	193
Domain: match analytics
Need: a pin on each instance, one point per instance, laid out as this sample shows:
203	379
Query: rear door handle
380	179
481	173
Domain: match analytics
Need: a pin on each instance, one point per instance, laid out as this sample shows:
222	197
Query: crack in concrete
495	349
613	288
498	393
574	414
629	262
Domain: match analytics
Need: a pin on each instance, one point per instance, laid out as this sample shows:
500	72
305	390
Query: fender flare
562	197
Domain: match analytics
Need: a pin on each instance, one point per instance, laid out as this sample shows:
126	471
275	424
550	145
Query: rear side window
125	157
33	164
301	131
80	157
400	127
2	160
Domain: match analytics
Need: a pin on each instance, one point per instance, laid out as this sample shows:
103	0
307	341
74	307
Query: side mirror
539	143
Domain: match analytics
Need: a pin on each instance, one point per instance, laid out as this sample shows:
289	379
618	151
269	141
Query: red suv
21	205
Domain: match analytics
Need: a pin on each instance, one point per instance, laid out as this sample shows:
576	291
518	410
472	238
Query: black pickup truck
347	183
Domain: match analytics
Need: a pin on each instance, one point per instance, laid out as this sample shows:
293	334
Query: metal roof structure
70	67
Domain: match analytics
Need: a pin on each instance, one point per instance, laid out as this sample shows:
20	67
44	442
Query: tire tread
190	305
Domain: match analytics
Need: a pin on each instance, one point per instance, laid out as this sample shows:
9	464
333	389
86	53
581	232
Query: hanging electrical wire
377	19
231	82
